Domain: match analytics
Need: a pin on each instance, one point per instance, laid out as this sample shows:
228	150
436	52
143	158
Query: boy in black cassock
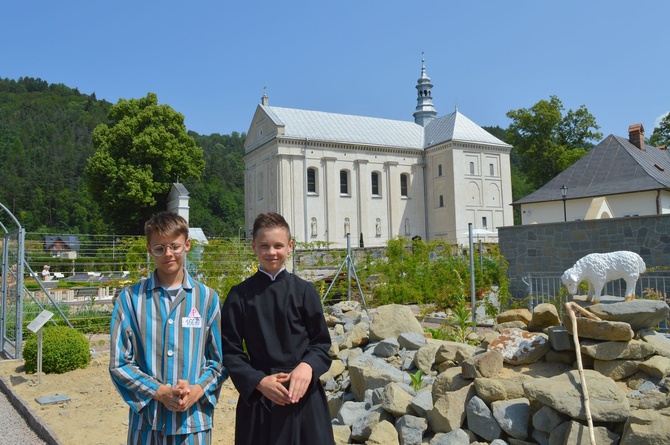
278	318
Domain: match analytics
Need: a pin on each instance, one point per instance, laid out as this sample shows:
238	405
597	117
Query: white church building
377	179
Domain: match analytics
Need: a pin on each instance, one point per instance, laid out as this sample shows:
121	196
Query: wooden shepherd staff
571	307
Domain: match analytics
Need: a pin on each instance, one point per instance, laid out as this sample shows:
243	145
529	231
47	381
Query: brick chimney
636	135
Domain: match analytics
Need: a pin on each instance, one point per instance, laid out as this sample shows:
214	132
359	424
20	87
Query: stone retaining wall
553	248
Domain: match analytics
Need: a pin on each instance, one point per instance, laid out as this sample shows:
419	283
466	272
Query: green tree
546	141
144	149
661	134
497	131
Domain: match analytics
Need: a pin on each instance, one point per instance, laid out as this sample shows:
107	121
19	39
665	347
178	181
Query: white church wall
473	181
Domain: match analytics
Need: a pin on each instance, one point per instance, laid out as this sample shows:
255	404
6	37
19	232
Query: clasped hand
272	386
179	397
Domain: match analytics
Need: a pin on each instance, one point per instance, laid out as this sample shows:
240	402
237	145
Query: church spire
425	111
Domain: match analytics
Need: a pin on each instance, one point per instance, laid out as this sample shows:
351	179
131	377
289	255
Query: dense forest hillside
45	143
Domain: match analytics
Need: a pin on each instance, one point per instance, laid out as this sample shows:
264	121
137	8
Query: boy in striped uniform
166	359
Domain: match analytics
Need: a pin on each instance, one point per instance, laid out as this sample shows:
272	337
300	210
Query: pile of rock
389	384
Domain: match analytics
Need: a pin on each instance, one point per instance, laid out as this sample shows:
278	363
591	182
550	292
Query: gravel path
13	428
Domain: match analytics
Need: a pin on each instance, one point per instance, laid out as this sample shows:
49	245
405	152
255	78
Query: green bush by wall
63	349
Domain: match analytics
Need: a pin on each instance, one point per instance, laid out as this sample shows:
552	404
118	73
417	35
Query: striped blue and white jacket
157	340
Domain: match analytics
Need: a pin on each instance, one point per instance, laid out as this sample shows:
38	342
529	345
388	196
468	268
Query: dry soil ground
95	414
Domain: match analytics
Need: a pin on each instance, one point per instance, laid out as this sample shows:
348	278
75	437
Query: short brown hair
166	224
270	220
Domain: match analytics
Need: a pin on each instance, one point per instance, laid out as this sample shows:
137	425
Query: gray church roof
350	129
457	127
613	167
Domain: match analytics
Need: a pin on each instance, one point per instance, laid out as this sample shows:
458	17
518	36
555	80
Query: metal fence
542	288
12	293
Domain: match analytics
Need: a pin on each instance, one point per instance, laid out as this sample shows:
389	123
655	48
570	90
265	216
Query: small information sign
36	326
40	320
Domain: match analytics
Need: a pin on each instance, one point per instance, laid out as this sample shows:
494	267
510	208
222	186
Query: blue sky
209	60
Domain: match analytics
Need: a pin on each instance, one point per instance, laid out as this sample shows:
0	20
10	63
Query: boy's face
271	246
170	262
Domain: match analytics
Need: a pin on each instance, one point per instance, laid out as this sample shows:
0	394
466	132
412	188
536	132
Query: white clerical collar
272	277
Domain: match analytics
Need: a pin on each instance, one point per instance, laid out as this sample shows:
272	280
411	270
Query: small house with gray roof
376	179
62	246
617	178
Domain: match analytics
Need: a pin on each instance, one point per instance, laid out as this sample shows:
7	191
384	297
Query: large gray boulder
513	416
411	340
342	434
639	314
481	420
396	400
577	433
411	429
384	433
486	364
616	369
447	381
547	418
511	315
491	389
613	350
647	426
656	366
601	330
452	351
387	348
367	372
422	402
357	336
425	356
448	411
392	320
362	427
544	315
350	411
660	342
564	394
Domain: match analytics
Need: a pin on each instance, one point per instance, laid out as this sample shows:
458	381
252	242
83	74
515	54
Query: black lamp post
564	195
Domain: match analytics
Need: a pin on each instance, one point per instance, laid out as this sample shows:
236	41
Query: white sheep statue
599	268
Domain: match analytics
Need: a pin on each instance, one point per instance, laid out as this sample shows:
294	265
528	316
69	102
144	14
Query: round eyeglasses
160	249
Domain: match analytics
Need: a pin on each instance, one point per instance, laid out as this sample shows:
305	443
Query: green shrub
63	349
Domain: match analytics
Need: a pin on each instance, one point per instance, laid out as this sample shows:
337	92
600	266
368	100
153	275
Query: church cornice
300	143
455	145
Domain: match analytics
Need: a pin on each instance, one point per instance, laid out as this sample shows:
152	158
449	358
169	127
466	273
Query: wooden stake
570	306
